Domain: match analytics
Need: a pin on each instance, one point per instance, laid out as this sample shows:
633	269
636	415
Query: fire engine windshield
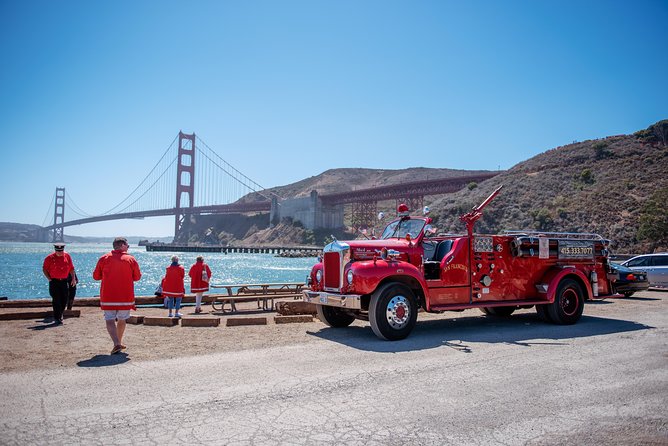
399	228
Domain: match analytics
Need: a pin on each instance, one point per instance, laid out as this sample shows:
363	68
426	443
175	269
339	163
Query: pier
298	251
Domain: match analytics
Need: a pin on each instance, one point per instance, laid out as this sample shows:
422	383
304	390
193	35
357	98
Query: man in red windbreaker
57	268
118	271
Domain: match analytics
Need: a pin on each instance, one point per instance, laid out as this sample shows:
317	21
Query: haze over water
21	268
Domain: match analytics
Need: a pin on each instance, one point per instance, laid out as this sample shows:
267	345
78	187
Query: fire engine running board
496	303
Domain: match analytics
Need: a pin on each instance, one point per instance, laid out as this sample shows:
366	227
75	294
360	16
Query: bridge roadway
258	206
402	190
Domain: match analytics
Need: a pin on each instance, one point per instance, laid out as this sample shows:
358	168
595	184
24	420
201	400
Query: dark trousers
60	294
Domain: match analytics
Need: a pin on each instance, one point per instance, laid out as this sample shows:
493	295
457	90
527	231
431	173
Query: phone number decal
574	249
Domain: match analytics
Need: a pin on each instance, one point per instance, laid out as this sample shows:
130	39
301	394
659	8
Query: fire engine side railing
564	235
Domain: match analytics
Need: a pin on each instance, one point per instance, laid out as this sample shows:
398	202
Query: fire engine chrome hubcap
569	302
398	312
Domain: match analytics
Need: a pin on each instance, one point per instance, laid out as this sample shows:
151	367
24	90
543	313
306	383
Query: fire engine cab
386	280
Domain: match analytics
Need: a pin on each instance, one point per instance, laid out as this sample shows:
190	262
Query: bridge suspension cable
48	218
162	194
248	185
71	205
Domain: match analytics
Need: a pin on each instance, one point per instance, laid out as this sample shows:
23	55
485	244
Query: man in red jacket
57	269
118	271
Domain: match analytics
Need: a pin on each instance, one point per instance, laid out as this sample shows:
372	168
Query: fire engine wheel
568	303
392	312
334	317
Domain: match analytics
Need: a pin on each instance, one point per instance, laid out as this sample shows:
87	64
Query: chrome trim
350	301
343	249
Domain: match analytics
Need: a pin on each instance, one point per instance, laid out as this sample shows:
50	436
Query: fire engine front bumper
348	301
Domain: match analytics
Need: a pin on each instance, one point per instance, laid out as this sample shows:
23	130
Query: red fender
370	273
554	276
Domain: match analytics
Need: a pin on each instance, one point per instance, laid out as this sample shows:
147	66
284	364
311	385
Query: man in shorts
118	271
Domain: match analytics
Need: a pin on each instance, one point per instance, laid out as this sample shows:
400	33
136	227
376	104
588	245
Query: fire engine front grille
332	271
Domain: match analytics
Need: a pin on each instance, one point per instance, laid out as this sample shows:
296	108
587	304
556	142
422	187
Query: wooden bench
263	293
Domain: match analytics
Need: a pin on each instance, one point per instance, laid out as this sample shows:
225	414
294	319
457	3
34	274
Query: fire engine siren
402	210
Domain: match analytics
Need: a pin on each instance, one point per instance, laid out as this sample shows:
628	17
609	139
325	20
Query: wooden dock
298	251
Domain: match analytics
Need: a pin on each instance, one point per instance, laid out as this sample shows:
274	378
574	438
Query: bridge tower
59	215
185	186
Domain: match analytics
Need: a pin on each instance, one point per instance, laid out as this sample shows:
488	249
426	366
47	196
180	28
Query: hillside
601	186
604	186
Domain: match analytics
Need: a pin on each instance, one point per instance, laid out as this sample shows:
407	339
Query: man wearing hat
56	268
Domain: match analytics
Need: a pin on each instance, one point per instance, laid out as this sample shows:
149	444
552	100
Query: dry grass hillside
600	186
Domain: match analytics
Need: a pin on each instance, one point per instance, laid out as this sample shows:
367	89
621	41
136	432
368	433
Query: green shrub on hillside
655	133
542	219
601	150
654	220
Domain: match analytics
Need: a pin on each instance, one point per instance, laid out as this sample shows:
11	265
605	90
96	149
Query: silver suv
656	266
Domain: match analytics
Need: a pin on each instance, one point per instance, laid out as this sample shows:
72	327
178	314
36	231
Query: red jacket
58	267
118	271
172	284
197	284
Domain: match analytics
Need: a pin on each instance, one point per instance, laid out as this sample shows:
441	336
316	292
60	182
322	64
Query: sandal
116	349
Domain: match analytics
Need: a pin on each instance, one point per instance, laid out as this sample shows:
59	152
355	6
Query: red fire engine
386	280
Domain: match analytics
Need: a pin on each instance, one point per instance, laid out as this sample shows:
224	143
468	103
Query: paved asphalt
459	379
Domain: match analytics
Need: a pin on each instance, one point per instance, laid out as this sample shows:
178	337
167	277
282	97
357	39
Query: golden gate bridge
207	184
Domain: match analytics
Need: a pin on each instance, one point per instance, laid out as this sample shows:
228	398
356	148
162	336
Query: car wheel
334	317
393	311
629	293
568	303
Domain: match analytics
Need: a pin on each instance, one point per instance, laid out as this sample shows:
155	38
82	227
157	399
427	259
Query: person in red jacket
57	268
200	276
172	286
118	271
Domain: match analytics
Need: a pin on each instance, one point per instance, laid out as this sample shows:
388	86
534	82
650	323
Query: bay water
21	268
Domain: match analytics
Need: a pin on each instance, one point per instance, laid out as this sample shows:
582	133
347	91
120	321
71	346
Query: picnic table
264	293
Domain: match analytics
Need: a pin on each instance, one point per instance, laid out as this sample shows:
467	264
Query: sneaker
198	310
170	315
178	314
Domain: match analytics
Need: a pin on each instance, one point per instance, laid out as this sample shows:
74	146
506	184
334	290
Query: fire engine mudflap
386	280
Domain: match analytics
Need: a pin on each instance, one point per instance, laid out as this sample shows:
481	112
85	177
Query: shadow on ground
104	360
458	333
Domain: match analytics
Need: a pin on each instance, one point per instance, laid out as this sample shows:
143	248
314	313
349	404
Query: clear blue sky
92	93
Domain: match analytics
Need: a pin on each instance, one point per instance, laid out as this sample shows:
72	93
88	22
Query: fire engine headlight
318	276
350	277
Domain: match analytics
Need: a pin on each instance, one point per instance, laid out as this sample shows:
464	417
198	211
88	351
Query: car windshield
399	228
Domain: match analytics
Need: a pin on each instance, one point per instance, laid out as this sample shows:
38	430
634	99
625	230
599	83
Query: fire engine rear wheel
334	317
393	311
568	303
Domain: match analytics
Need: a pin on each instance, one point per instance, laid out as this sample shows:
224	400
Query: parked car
627	281
656	266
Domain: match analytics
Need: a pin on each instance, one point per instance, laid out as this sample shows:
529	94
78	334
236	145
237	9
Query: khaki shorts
116	315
